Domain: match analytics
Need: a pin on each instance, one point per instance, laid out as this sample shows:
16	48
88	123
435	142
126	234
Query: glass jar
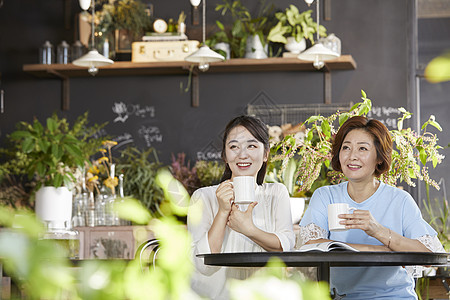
62	53
46	54
66	238
77	50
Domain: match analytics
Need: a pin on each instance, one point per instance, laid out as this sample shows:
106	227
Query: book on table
327	246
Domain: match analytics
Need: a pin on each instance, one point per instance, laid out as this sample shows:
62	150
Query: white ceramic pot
297	207
225	47
255	48
295	47
54	206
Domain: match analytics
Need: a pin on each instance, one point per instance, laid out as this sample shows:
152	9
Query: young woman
217	224
386	218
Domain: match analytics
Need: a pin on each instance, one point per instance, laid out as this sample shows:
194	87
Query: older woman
386	218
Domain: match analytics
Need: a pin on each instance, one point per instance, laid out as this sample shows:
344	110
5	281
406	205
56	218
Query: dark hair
259	130
381	137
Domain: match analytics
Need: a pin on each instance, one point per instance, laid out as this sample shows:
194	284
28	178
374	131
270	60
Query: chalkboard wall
152	111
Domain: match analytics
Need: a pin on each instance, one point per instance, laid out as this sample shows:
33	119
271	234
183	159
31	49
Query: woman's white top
272	214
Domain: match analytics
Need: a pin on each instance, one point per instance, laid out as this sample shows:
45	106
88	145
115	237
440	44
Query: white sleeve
199	220
283	220
431	242
311	232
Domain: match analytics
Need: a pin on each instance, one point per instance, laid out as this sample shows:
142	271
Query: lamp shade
85	4
92	59
318	51
195	2
204	55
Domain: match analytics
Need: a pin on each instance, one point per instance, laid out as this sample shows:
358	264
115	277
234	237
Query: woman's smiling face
244	154
358	156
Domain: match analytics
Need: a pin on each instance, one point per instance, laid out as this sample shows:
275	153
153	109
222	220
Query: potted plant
49	155
248	32
128	19
209	172
140	169
294	28
220	42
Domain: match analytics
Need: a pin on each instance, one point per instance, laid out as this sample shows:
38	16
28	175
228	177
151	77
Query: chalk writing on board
386	115
123	139
210	152
124	111
150	134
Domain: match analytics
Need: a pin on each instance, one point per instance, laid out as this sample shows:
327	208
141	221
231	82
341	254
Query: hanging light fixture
318	53
92	59
204	55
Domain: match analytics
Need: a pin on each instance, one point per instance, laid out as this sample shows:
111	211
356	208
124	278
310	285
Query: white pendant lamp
92	59
85	4
318	53
204	55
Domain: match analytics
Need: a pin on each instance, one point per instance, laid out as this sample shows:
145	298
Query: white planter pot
297	207
254	48
225	47
54	206
295	47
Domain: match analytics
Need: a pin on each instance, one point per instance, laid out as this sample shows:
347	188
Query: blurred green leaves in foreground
40	268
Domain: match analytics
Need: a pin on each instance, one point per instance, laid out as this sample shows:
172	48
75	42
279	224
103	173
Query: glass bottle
100	209
80	204
46	54
62	53
91	217
121	195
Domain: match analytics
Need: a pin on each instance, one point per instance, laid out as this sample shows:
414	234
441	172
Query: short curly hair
381	136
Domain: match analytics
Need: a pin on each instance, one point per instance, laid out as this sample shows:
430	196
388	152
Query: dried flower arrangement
314	151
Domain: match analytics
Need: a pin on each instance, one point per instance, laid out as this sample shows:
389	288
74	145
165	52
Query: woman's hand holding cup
225	197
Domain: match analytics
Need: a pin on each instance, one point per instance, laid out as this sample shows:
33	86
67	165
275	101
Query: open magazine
327	246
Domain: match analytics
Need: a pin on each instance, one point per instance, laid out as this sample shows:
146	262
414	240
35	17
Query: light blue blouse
391	207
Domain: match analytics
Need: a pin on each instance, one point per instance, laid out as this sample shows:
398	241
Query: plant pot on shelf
255	48
293	46
54	206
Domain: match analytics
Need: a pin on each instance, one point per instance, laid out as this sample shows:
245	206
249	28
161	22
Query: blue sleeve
317	209
414	226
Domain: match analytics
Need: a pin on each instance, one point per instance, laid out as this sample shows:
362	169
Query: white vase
255	48
295	47
297	207
225	47
54	206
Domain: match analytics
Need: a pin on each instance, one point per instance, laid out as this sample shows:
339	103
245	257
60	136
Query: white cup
244	189
334	210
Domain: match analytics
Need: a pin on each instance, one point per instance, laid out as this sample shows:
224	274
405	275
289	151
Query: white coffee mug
244	189
334	210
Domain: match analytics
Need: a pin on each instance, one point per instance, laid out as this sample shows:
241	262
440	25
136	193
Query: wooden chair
147	254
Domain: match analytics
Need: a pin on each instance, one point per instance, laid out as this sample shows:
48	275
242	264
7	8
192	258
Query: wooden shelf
126	68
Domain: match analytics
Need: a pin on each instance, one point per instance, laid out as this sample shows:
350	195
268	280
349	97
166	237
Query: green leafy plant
437	212
49	153
130	15
41	270
244	24
140	169
209	172
315	150
296	24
